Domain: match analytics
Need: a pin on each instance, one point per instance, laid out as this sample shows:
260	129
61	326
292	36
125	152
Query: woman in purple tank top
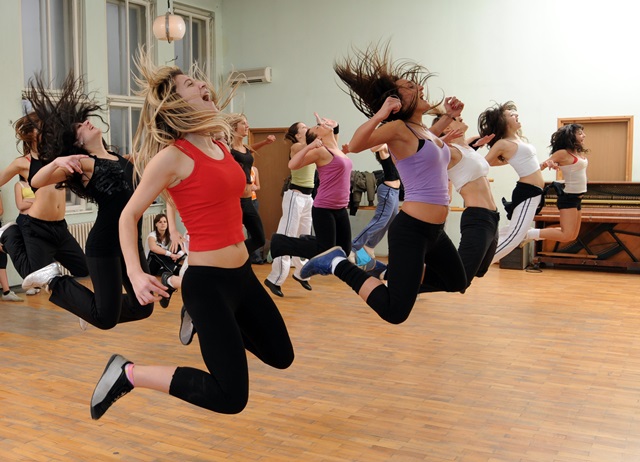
329	212
392	95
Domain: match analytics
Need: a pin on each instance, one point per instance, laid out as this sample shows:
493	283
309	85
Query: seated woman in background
159	255
162	260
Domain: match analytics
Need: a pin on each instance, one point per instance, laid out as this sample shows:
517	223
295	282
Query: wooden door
272	163
610	142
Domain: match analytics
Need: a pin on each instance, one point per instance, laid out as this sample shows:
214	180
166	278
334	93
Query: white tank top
524	161
471	167
575	175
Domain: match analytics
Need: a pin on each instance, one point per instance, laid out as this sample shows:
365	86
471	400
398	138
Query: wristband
167	253
336	129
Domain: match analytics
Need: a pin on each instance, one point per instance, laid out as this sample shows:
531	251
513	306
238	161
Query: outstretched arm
59	170
16	167
260	144
158	174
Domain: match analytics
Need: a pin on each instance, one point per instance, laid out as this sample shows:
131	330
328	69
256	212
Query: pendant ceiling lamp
169	26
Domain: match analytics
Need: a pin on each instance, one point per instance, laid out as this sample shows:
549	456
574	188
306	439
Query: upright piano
609	235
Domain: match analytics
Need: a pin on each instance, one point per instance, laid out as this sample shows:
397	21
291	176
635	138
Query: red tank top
208	200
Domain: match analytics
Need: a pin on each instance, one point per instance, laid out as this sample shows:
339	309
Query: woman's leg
410	241
253	224
308	246
243	315
305	205
324	223
386	210
478	240
288	225
570	221
511	236
343	230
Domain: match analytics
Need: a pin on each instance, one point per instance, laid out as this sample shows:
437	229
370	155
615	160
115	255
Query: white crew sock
533	233
335	262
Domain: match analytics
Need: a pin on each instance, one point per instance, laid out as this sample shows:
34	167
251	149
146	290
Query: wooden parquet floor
523	367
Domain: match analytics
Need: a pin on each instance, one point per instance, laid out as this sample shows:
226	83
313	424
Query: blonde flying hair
166	116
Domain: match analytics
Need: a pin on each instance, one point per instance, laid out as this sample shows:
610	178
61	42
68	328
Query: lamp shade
169	27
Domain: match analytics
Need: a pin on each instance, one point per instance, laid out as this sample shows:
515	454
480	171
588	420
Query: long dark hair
27	130
371	77
60	115
166	239
565	138
493	121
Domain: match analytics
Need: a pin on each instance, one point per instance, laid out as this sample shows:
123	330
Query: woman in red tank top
230	309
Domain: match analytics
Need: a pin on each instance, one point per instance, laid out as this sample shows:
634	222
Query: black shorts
570	201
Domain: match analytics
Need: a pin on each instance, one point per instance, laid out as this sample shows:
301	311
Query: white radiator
81	231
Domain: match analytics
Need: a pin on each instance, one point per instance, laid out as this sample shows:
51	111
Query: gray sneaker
112	386
11	297
187	329
42	277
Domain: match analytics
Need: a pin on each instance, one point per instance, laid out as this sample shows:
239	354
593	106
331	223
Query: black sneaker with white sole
112	386
164	279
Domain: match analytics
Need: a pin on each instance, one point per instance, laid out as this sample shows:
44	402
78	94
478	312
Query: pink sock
128	370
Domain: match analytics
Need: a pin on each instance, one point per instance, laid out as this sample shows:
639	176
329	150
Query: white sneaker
11	223
42	277
11	297
33	291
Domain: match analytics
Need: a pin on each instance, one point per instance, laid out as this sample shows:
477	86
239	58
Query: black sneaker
113	385
164	279
187	329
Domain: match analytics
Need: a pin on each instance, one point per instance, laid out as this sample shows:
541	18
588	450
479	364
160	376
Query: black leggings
332	227
35	243
106	306
252	222
478	240
414	247
41	242
231	312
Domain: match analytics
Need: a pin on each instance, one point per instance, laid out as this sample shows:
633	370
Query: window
51	39
196	46
128	27
53	44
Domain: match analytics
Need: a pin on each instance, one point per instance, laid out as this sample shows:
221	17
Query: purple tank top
424	174
335	183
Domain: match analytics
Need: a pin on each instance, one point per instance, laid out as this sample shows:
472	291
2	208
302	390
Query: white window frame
130	101
77	38
189	13
74	204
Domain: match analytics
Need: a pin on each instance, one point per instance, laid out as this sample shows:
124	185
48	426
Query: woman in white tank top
567	154
467	172
510	147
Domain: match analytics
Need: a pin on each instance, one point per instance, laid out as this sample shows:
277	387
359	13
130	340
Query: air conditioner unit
259	75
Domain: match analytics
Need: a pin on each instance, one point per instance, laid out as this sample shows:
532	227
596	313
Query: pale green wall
554	58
